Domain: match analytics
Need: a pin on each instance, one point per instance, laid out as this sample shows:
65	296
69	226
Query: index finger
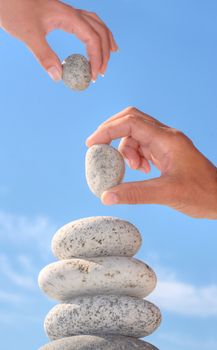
129	126
136	112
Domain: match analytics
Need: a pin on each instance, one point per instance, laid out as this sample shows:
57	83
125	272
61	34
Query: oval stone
105	168
76	72
94	342
101	314
96	236
65	279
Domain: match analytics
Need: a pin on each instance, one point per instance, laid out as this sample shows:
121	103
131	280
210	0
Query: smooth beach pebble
65	279
76	72
117	315
105	168
94	342
96	236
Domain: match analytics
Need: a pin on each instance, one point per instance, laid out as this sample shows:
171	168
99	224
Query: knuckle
93	39
106	56
46	60
130	109
43	58
179	137
134	195
95	62
130	118
94	14
109	129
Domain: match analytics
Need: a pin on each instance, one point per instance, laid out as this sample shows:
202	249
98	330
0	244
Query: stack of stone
100	287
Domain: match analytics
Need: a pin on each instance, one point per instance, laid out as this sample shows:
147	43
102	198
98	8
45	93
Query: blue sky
166	67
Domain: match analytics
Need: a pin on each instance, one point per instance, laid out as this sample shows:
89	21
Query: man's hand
31	20
188	180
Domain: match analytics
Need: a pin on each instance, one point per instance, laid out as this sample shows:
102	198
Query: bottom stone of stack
93	342
102	315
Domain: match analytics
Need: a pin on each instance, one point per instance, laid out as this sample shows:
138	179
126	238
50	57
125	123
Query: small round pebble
105	168
103	315
66	279
96	236
94	342
76	72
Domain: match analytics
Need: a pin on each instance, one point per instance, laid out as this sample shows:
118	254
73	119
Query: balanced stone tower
100	287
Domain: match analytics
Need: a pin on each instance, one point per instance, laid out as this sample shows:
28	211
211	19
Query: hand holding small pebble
188	181
31	20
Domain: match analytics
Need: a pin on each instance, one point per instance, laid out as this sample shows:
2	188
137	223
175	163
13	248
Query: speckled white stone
94	342
117	315
76	72
70	278
105	168
96	236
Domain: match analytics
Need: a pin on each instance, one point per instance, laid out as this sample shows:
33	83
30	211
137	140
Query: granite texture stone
93	342
101	314
76	72
105	168
70	278
96	236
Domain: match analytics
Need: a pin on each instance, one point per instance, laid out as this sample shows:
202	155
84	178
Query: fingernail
54	73
133	164
109	198
93	81
102	75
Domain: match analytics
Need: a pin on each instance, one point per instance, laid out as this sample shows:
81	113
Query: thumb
46	57
155	191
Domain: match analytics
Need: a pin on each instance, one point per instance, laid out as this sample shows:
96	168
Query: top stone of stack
96	236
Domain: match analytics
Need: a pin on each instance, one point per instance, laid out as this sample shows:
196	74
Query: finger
46	56
113	44
72	22
105	41
132	157
127	126
128	147
145	166
155	191
136	112
145	158
132	152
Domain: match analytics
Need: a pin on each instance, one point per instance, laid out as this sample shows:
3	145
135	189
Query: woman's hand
188	180
31	20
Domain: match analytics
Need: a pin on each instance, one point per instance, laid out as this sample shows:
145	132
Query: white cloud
26	243
19	230
10	297
20	279
13	318
183	298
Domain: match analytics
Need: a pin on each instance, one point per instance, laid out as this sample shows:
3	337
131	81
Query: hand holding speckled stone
105	168
31	20
76	72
